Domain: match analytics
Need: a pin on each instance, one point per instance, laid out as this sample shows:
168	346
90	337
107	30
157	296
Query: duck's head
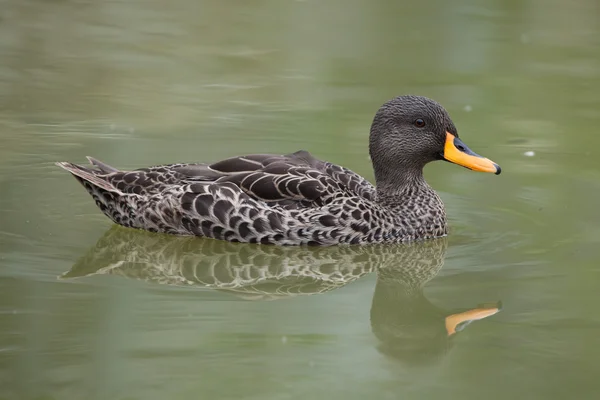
411	131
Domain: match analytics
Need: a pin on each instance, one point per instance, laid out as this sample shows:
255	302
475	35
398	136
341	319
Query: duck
297	199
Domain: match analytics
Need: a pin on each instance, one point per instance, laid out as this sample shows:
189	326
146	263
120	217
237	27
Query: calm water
89	310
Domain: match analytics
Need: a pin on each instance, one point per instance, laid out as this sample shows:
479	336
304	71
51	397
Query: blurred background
90	311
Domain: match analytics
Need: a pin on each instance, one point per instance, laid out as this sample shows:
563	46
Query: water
88	310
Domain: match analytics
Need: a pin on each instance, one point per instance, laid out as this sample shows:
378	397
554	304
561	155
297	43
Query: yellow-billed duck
297	199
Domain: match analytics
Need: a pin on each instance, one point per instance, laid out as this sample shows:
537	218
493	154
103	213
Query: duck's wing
288	180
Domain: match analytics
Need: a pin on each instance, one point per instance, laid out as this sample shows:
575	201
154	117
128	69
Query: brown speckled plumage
290	199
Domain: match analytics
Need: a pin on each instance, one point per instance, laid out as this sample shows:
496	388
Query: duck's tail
95	177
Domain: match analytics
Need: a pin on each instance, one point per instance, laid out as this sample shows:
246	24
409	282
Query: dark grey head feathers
407	133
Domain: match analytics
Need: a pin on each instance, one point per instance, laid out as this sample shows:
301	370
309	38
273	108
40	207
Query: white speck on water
284	339
529	153
468	108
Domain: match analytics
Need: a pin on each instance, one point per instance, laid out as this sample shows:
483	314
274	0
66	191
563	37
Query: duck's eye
419	123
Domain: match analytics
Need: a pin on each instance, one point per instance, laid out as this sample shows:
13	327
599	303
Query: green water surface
93	311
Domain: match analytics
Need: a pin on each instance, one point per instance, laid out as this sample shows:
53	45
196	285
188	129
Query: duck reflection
409	327
258	272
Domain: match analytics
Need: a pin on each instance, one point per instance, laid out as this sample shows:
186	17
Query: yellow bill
457	152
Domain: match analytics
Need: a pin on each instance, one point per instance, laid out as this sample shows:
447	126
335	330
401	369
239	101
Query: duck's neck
393	187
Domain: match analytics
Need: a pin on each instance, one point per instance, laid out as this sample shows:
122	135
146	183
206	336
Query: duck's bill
457	152
457	322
